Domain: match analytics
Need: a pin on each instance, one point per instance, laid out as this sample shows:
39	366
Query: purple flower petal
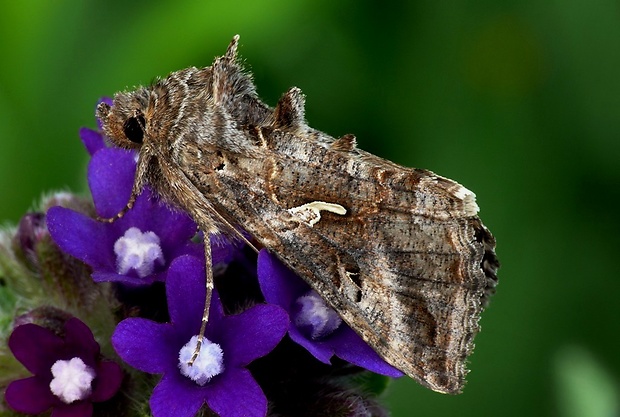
79	341
186	291
278	283
149	214
146	345
111	173
175	398
349	346
320	350
93	140
237	394
261	328
73	233
31	395
108	381
35	347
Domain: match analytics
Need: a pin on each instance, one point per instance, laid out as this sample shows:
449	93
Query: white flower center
72	380
209	363
315	317
138	251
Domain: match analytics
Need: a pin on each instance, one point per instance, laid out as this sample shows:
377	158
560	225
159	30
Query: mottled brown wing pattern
403	266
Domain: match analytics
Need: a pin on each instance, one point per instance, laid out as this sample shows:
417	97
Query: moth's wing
408	267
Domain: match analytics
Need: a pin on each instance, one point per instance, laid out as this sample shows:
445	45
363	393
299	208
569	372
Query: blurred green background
517	100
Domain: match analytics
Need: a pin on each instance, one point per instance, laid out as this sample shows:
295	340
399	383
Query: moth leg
135	191
209	288
120	214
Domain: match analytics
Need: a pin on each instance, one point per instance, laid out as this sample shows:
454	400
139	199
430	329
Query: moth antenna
141	170
344	143
290	111
232	230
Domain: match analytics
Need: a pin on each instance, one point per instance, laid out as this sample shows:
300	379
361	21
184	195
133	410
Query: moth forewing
400	253
410	284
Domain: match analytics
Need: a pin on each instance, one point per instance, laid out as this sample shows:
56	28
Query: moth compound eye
134	128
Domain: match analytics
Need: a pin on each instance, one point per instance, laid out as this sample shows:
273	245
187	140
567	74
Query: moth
399	253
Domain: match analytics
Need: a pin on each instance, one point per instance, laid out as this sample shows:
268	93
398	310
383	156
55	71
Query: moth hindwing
399	253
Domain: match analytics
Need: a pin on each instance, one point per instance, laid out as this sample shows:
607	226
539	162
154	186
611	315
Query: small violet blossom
135	249
314	324
218	377
69	374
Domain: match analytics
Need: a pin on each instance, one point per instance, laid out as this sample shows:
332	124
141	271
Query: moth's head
125	121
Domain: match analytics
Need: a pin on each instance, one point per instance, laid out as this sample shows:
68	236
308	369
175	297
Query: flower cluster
69	375
271	344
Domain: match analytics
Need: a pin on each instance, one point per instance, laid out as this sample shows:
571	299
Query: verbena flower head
69	374
136	249
219	377
314	324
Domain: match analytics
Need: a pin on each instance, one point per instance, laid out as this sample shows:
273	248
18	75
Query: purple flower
68	372
136	249
219	377
314	324
93	140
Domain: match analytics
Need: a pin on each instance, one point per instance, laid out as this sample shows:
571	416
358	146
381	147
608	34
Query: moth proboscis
399	253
